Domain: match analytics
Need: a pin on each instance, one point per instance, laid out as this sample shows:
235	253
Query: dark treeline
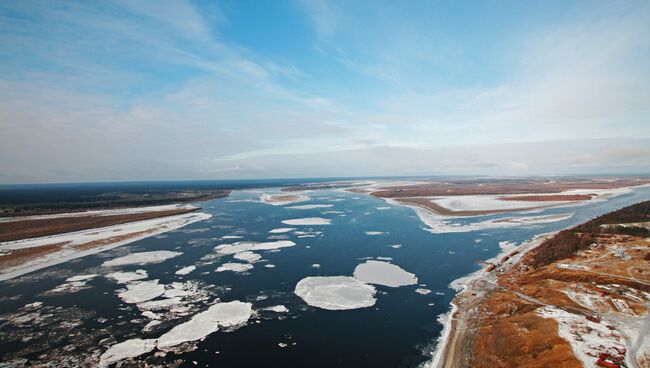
567	242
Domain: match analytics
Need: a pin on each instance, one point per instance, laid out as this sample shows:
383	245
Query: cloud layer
187	90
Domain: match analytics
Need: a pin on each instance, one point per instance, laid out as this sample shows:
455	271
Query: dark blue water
396	332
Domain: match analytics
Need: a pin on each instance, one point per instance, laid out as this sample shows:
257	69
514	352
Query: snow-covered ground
441	224
105	238
587	338
108	212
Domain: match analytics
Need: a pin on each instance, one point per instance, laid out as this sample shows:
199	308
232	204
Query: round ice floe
307	221
383	273
142	258
235	267
335	292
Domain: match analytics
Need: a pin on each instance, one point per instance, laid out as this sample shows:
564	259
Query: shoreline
79	244
446	346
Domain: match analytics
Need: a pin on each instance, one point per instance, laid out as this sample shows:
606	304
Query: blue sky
133	90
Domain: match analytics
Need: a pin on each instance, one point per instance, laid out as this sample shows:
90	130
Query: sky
175	89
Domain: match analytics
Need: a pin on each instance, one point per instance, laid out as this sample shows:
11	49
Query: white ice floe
422	291
220	315
248	256
277	309
269	265
140	291
81	277
235	267
315	265
307	221
310	206
374	232
283	199
335	292
586	338
282	230
142	258
231	237
124	277
383	273
396	246
106	238
185	270
252	246
126	349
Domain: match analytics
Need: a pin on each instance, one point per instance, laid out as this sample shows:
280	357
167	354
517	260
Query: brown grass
20	256
24	229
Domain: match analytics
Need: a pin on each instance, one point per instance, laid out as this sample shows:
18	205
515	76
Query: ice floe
252	246
310	206
81	277
202	324
277	309
335	292
73	284
282	230
141	291
126	349
422	291
383	273
307	221
142	258
124	277
235	267
185	270
248	256
374	232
